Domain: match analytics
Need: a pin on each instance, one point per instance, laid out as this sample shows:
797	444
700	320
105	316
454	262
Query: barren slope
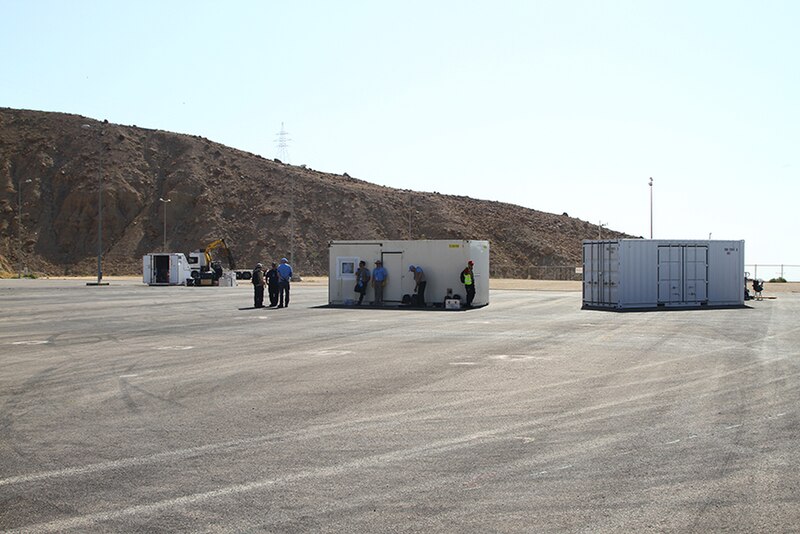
217	191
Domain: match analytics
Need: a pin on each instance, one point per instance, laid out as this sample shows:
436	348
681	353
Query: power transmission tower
282	144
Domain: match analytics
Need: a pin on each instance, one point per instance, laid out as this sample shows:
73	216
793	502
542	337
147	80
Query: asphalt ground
130	408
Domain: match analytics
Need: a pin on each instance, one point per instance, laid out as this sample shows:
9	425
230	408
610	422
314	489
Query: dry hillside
218	191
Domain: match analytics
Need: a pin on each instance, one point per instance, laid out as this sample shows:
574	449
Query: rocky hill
54	167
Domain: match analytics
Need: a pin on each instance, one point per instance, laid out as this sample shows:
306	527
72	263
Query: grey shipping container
662	273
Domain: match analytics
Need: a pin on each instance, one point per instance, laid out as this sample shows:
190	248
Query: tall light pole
600	226
165	201
103	149
651	207
19	222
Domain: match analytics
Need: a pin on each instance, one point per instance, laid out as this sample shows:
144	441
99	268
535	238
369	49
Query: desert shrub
779	280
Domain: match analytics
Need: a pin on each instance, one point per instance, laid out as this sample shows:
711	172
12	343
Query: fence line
538	272
767	271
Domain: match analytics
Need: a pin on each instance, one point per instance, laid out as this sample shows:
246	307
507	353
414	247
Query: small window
346	268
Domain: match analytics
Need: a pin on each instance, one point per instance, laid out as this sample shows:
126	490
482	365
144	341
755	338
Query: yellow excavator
206	271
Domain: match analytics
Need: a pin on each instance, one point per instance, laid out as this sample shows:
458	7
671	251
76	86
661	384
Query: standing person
362	281
379	278
284	277
272	285
258	286
468	279
419	284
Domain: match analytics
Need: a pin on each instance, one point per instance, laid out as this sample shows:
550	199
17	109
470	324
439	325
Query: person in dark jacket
362	281
258	285
272	285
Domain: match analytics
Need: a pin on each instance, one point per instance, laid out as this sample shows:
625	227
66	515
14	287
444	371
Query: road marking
463	363
563	467
518	357
330	352
128	376
376	460
733	426
175	347
673	442
32	342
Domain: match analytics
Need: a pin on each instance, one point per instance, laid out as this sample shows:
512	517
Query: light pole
651	208
165	201
103	149
19	221
600	226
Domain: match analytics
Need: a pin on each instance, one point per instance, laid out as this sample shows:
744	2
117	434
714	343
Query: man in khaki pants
379	278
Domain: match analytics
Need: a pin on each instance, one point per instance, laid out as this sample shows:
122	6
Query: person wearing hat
258	286
419	284
379	278
284	277
468	279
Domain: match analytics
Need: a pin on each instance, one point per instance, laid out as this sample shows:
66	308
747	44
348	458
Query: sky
560	106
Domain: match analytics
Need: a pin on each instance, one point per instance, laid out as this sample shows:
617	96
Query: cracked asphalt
130	408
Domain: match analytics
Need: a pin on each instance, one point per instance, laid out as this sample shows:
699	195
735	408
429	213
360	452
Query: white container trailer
441	260
166	269
661	273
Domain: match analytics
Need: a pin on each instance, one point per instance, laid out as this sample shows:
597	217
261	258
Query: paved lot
138	409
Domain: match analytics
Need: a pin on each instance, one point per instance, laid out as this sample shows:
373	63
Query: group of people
379	278
276	280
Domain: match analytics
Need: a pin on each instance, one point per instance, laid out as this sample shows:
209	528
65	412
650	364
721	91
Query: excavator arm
215	244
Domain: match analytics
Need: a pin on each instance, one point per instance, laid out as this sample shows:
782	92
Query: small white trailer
661	273
166	269
441	260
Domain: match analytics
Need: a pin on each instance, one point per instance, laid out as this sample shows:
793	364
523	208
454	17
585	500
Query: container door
670	275
393	262
147	269
601	273
175	269
610	273
590	270
695	271
161	269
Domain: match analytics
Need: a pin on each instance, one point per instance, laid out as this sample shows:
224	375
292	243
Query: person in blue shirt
380	277
284	277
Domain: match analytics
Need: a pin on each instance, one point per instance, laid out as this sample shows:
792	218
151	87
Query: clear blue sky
557	106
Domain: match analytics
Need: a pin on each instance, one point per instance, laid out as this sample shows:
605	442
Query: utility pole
165	201
103	149
600	226
651	207
19	223
410	215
